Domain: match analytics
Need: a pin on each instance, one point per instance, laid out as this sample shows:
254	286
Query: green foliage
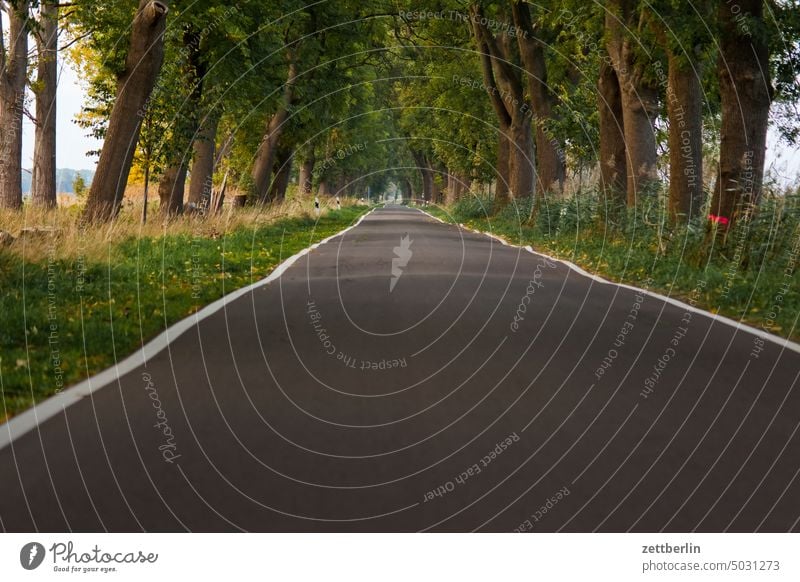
416	61
783	34
472	207
379	81
79	186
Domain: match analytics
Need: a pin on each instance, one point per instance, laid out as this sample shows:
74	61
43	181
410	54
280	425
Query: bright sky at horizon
72	142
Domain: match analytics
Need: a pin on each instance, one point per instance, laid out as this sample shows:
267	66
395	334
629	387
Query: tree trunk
640	139
503	170
201	181
436	172
43	184
428	186
336	187
352	186
639	97
409	192
218	198
456	186
143	63
265	156
281	183
13	75
613	159
684	107
746	93
523	171
171	189
550	162
146	192
283	171
305	181
451	192
426	173
551	167
502	185
517	109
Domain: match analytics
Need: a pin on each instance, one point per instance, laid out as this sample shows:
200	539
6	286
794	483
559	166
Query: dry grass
63	237
105	291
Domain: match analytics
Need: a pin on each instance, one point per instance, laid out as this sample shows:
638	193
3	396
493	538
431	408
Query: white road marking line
41	412
782	342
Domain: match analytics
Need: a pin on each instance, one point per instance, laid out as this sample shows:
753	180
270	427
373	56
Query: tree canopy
636	98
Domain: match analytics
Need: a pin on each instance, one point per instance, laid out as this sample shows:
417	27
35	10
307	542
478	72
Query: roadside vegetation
74	302
754	278
629	137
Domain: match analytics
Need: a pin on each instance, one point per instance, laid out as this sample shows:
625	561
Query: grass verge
72	304
754	278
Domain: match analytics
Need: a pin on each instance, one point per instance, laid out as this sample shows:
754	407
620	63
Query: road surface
487	388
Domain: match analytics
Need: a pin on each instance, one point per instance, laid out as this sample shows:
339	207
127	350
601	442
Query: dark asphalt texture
434	410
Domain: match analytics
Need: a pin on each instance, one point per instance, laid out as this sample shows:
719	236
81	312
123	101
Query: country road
409	375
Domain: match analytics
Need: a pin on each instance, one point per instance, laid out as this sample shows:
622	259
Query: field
74	302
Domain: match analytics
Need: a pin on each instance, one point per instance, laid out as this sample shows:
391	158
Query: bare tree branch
76	40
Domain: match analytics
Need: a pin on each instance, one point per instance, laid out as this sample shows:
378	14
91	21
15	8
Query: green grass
754	277
64	319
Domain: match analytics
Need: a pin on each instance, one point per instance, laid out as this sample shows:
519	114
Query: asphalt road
490	389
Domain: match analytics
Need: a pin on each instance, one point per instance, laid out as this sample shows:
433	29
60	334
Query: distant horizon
64	179
92	170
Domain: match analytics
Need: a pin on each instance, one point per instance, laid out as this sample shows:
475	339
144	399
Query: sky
71	140
783	160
